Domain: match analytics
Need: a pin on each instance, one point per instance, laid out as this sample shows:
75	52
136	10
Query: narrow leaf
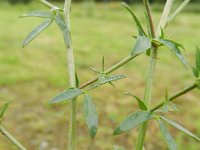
41	14
66	95
103	64
139	26
195	72
64	28
198	59
31	36
141	104
142	44
3	109
174	47
106	79
167	136
132	121
179	127
90	115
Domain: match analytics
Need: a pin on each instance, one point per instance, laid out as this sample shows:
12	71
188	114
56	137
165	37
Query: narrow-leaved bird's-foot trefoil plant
149	42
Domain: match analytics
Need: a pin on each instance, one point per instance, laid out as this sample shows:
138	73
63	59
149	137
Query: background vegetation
31	76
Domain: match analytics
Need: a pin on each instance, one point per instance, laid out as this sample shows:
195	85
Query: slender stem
72	78
178	10
164	17
110	70
47	4
11	138
178	94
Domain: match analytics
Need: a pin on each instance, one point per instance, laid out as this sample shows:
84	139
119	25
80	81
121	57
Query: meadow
30	76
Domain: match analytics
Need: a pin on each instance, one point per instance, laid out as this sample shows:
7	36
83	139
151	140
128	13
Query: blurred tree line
128	1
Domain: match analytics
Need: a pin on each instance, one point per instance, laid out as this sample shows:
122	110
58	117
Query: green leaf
179	127
198	59
139	26
103	65
60	21
31	36
66	95
77	80
41	14
116	147
132	121
106	79
90	115
141	104
142	44
174	47
3	109
195	72
167	136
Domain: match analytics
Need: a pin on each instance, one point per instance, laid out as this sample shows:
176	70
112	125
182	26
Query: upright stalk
11	138
72	78
152	65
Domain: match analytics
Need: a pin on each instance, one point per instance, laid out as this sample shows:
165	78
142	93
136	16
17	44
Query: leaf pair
167	136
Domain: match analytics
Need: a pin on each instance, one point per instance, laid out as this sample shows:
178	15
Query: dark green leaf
90	115
167	136
3	109
142	44
176	125
195	72
31	36
60	21
139	26
41	14
103	64
175	48
132	121
66	95
115	147
77	80
106	79
141	104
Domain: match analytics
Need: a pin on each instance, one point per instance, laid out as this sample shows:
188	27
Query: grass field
29	77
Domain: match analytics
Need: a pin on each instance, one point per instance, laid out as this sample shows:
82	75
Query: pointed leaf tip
66	95
33	34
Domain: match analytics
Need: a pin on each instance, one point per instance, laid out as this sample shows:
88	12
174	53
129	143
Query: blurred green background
29	77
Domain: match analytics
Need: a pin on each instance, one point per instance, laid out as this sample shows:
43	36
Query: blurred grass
31	76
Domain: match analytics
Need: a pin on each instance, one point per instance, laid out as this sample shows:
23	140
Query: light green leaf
60	21
116	147
142	44
132	121
90	115
3	109
41	14
31	36
198	59
167	136
175	48
139	26
179	127
66	95
106	79
141	104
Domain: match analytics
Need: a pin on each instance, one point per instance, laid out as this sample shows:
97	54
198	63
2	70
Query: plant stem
72	78
178	94
110	70
178	10
11	138
47	4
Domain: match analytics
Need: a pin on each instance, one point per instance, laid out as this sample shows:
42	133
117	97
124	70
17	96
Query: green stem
110	70
72	78
178	94
47	4
11	138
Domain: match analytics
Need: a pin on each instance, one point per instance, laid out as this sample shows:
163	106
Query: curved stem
72	77
11	138
47	4
178	94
